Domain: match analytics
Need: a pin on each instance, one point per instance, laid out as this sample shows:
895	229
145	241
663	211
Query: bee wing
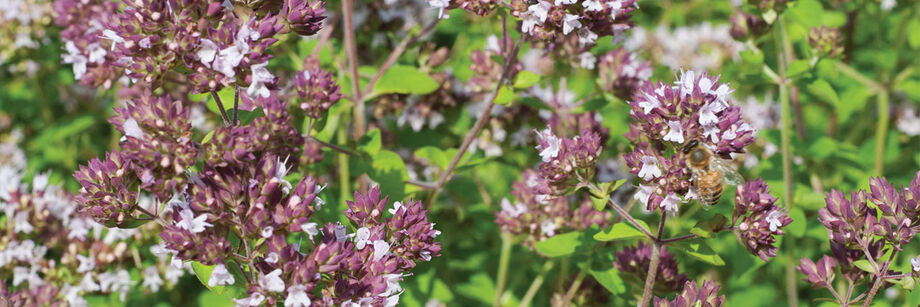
729	172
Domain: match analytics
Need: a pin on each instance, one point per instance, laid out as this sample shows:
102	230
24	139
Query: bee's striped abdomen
709	184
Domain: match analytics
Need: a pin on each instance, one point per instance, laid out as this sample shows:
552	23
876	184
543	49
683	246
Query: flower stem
781	37
879	279
236	104
881	130
344	175
535	285
220	105
509	60
576	284
652	274
503	268
350	49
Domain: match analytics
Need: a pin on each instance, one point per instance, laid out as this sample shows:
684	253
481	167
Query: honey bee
708	172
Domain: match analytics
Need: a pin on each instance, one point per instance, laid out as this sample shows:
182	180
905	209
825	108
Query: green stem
535	285
503	268
652	274
344	179
781	38
881	130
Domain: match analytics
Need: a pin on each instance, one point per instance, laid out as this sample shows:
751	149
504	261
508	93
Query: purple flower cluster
148	41
587	20
317	90
158	142
853	222
761	220
362	268
635	260
666	117
622	73
706	295
567	161
865	227
241	189
820	274
52	254
537	215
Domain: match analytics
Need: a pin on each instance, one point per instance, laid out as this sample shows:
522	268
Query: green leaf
505	95
370	142
797	227
913	33
207	137
526	79
700	250
610	279
822	148
705	228
403	79
560	245
246	117
434	155
604	193
907	283
755	59
796	68
389	170
619	231
864	265
823	90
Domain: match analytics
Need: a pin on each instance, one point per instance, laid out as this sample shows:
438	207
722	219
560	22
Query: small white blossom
915	263
396	206
260	76
773	219
361	237
553	145
297	297
593	5
87	284
669	204
75	56
513	211
708	113
132	129
207	53
381	248
650	169
310	229
272	281
586	37
86	263
675	134
220	276
254	299
649	104
152	279
644	193
192	223
548	227
21	223
272	258
686	83
440	5
587	60
112	36
570	23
